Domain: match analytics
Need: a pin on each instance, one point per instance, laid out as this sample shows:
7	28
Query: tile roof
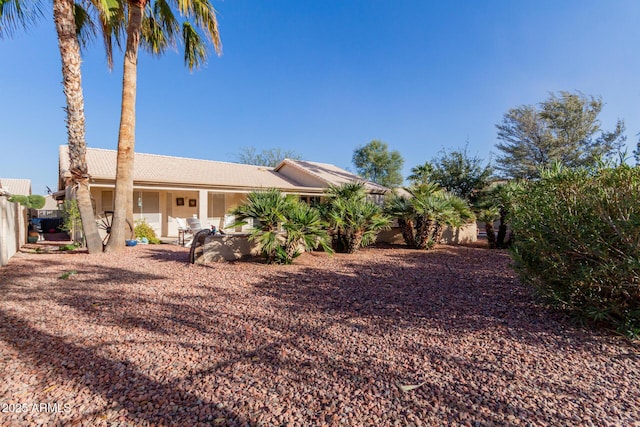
153	168
330	174
50	204
21	187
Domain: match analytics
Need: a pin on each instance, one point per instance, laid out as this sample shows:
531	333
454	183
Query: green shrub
578	243
143	229
33	201
69	247
71	217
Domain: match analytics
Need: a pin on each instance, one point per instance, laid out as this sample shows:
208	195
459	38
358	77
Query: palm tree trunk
425	229
437	233
354	242
502	230
72	83
491	236
408	234
123	208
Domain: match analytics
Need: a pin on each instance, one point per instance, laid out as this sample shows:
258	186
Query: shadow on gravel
295	343
173	253
134	396
456	290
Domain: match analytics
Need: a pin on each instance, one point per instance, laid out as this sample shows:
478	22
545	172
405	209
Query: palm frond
204	15
195	50
18	15
86	29
167	20
153	38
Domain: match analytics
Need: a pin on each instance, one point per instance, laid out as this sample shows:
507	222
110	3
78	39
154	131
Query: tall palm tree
74	25
69	44
420	174
153	25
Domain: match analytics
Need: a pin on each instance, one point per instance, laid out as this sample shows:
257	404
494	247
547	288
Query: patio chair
183	230
193	224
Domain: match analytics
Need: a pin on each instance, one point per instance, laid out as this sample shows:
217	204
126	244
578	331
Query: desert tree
266	157
563	128
376	163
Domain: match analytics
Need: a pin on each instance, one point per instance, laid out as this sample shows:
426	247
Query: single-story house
16	187
167	187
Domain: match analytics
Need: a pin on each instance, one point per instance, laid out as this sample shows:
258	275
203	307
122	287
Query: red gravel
143	338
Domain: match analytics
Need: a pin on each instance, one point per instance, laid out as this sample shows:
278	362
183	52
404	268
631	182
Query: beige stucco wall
451	236
154	214
226	248
13	229
163	221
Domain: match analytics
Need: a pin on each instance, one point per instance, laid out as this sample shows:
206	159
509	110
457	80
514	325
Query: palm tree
421	173
400	207
156	30
284	225
423	216
269	209
65	21
305	229
456	213
354	221
67	14
428	207
488	216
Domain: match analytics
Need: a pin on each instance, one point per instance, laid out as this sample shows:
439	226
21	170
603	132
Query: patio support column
203	210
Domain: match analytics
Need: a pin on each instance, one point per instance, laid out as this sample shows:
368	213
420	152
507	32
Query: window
216	206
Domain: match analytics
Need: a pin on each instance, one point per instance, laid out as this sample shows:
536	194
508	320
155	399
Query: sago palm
400	207
156	25
354	221
488	216
304	228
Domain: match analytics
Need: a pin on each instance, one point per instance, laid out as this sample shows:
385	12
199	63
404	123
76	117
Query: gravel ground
142	338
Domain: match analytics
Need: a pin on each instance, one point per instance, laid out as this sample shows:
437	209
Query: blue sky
325	77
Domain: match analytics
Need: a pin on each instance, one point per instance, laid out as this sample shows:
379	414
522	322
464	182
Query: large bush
33	201
578	242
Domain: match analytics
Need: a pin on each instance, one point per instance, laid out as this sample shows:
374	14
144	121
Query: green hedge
577	240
